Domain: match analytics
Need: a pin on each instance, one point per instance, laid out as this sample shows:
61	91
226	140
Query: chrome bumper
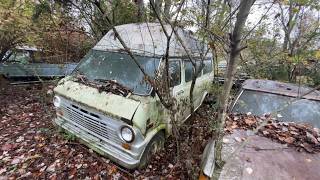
104	149
101	135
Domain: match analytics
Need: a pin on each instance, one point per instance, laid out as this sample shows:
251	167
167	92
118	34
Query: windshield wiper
102	80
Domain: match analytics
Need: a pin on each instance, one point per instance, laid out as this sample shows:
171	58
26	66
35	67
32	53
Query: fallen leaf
20	139
237	139
279	116
8	147
311	138
265	133
112	170
3	170
15	161
225	140
250	121
289	140
78	166
249	170
51	168
308	160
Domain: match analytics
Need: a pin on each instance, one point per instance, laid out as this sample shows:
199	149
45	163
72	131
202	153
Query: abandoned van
109	107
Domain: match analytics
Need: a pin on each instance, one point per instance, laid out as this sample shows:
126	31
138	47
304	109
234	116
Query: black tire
154	146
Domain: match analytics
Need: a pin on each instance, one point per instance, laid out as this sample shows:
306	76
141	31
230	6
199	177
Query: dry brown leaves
105	86
301	136
31	148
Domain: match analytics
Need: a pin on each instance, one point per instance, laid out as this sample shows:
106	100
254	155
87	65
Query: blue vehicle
27	62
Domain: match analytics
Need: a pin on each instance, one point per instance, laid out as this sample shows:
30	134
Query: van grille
91	123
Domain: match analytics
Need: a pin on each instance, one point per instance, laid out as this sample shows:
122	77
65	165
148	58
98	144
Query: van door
182	91
189	73
200	86
202	82
178	88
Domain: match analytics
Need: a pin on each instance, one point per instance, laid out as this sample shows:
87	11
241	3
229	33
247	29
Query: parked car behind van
283	101
127	122
27	62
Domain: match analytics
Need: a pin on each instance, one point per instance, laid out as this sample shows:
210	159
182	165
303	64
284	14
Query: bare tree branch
149	80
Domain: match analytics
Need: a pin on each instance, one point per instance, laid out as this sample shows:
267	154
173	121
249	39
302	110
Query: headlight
127	134
56	101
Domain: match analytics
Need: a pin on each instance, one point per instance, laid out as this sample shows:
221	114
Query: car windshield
20	56
284	108
119	67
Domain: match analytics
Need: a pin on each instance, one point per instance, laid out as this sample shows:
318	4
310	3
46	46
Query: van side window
174	73
207	66
198	66
188	71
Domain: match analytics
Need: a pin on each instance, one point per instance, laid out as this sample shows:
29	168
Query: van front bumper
116	154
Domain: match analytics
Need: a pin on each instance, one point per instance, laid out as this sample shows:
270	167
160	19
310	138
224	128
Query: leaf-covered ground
31	147
302	137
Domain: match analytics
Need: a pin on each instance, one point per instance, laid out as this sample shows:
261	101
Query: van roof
148	39
281	88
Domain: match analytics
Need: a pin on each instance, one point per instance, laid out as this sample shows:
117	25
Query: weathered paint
142	110
150	110
148	39
136	108
96	145
12	70
140	118
281	88
108	103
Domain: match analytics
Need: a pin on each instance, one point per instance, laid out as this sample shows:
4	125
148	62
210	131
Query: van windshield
119	67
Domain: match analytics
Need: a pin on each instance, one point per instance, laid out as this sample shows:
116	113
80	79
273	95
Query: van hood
108	103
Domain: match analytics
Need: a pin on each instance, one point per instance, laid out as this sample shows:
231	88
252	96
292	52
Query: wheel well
163	131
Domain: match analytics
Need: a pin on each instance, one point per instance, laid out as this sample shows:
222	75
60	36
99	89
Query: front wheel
154	146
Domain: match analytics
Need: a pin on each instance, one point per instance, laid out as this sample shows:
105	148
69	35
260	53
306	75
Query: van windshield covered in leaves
119	67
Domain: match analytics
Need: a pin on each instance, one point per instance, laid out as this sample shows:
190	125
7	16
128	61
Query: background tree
15	25
235	48
59	33
300	28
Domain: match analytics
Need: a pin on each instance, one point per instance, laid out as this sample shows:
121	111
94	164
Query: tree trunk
167	7
235	38
158	6
140	5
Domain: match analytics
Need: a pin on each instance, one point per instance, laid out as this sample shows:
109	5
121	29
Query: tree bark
158	6
166	104
140	5
235	40
167	7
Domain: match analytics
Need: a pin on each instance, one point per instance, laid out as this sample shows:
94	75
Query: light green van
127	123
